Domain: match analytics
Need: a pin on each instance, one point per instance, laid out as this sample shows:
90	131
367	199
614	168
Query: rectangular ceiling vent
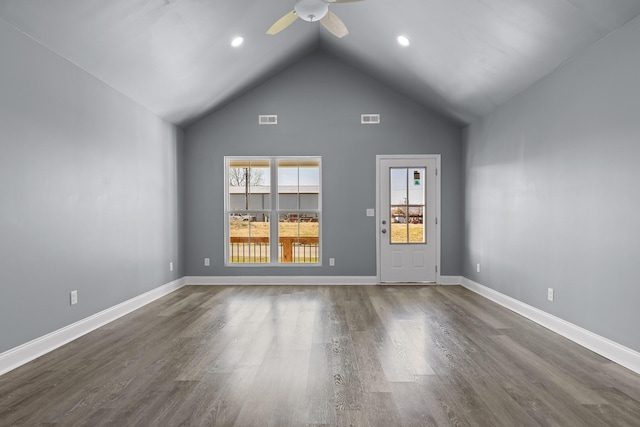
370	119
268	119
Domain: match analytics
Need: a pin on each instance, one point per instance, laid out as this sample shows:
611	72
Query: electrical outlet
207	262
478	268
170	266
550	294
332	262
74	297
371	212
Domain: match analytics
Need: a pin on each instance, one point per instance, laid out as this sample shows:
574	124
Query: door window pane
416	224
399	224
407	205
398	186
416	186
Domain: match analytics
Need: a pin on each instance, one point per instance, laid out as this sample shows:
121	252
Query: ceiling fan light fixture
236	42
311	10
403	40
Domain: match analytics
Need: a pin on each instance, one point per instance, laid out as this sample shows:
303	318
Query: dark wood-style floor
341	355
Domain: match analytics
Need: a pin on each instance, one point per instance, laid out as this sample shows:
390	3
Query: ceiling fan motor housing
311	10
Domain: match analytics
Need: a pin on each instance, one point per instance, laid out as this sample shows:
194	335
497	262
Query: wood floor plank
319	398
440	404
321	356
352	419
412	407
372	376
347	383
412	344
467	404
322	333
553	374
189	301
470	305
380	410
217	400
508	411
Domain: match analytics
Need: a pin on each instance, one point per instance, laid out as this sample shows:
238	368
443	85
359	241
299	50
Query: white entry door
407	222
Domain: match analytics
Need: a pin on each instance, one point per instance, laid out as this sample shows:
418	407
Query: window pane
298	184
398	224
417	181
416	224
416	186
299	235
309	200
398	184
249	185
249	237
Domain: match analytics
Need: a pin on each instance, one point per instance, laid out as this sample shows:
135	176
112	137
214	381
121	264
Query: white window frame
274	212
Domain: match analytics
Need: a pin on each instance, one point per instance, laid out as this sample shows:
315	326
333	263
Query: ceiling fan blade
342	1
334	24
282	23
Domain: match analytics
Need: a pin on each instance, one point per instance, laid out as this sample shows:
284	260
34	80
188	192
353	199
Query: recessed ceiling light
403	40
237	41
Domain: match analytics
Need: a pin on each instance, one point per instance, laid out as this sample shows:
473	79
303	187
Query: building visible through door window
261	190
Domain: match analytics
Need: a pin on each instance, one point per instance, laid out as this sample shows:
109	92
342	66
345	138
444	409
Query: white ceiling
175	58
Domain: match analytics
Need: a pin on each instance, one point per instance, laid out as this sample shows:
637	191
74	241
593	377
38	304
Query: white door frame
381	157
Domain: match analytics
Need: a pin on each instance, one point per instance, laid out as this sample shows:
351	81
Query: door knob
384	230
384	222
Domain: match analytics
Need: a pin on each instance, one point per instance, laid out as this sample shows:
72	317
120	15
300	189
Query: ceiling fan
311	11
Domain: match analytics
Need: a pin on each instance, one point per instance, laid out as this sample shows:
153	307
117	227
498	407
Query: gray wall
319	101
552	191
89	193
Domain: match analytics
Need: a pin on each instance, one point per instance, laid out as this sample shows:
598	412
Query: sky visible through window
306	176
405	189
290	175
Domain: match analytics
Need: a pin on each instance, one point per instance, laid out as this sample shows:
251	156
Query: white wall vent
268	119
370	119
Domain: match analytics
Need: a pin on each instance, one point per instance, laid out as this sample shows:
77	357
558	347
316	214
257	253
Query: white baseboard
18	356
611	350
281	280
450	280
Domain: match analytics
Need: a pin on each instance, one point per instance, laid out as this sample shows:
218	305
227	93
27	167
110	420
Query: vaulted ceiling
175	57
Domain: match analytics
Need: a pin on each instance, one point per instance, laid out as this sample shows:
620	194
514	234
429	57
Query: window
272	196
407	205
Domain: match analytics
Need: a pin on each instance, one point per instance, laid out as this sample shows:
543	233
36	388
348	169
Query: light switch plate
371	212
